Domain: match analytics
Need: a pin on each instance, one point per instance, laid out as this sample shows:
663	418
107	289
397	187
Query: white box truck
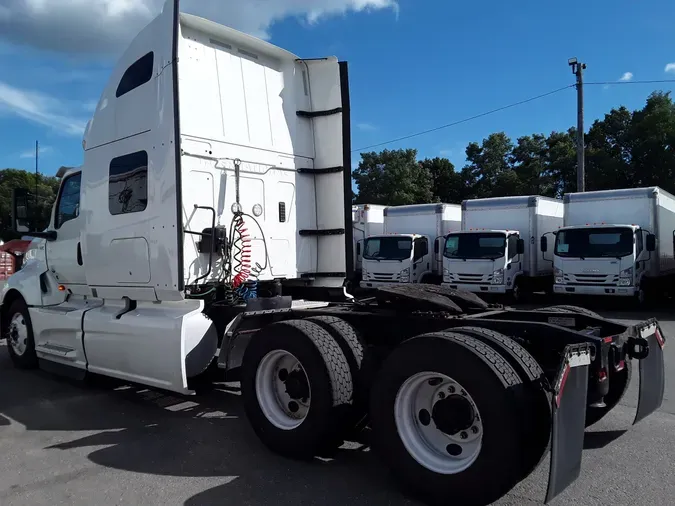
497	250
367	220
215	180
615	243
410	249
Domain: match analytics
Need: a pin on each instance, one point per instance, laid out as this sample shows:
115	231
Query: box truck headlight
498	277
405	275
626	273
559	276
446	274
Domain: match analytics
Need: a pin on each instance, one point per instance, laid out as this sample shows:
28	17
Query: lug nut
463	392
464	435
474	429
441	395
451	389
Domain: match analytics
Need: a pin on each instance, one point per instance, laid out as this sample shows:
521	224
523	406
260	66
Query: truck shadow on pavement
143	431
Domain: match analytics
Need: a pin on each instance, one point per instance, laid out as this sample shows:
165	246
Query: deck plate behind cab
422	297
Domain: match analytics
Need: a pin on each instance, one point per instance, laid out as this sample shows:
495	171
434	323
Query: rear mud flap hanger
570	393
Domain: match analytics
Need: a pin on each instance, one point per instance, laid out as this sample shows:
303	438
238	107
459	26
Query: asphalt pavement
104	444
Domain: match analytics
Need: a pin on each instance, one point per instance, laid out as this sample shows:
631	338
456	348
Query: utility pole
37	152
578	70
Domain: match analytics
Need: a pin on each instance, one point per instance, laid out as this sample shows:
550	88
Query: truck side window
421	248
513	245
68	207
139	73
127	184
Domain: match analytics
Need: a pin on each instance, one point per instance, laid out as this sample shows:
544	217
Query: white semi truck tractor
216	182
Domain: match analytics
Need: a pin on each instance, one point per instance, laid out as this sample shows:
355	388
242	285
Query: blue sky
414	64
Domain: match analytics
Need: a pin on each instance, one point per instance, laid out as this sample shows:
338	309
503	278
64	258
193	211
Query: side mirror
20	210
520	248
651	242
543	244
23	215
358	248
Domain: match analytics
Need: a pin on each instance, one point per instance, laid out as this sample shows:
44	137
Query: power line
654	81
465	120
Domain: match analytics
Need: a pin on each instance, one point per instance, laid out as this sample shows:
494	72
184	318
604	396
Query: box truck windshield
475	245
387	248
595	242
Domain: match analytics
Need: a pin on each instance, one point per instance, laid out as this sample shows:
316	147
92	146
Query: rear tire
569	309
297	388
354	349
18	330
417	461
537	420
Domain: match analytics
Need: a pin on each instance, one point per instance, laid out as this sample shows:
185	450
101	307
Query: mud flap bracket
570	392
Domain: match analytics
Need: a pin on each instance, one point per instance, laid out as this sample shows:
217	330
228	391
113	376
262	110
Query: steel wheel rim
18	334
283	410
425	442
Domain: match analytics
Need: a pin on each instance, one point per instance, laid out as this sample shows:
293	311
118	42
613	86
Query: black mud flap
569	416
648	348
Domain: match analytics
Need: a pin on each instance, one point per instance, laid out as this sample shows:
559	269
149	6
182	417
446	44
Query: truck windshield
387	248
475	245
594	242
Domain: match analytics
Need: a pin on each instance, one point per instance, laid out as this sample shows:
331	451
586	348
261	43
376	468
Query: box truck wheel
618	386
18	330
297	388
446	421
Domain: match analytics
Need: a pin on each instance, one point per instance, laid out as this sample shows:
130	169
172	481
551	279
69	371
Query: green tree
609	145
561	162
489	165
17	178
392	178
446	183
653	143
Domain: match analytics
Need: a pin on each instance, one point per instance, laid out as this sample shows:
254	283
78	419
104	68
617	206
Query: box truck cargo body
497	249
367	220
615	242
410	249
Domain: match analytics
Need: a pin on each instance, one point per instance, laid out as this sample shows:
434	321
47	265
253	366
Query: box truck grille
383	276
592	279
470	278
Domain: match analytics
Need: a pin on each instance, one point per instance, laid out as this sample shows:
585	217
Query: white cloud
670	67
445	152
40	108
42	150
104	26
366	127
627	76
